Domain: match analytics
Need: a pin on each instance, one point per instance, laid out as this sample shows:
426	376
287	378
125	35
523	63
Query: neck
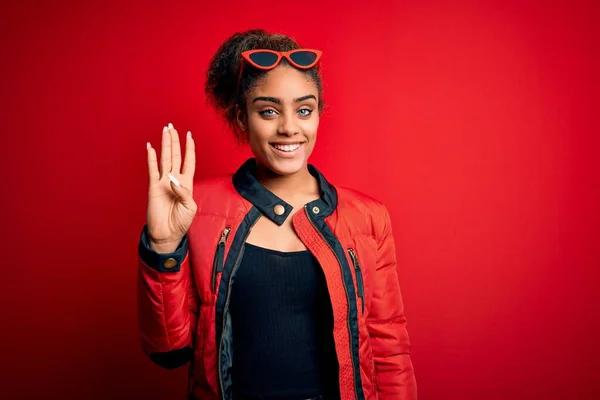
287	186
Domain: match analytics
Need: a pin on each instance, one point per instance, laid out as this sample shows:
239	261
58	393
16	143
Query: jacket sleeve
166	304
386	322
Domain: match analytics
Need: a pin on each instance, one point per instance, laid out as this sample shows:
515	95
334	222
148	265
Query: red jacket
183	297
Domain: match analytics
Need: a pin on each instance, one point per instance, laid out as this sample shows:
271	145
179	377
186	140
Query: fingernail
165	129
170	125
189	134
147	145
174	180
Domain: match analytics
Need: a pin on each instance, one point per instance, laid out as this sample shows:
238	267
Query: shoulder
364	211
352	198
216	195
215	182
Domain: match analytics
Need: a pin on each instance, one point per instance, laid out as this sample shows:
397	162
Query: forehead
284	81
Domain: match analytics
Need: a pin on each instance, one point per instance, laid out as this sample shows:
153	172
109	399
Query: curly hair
223	72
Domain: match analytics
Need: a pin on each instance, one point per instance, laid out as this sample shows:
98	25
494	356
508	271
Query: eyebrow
278	101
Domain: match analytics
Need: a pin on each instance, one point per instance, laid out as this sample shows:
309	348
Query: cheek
259	132
259	129
310	127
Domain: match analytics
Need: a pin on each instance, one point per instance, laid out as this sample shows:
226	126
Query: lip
286	154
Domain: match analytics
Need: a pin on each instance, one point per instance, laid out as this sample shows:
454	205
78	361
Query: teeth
287	147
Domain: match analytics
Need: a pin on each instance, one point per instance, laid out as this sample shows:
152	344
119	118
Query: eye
267	113
305	112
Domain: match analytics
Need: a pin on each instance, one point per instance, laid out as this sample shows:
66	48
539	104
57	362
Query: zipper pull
218	259
224	235
353	256
359	277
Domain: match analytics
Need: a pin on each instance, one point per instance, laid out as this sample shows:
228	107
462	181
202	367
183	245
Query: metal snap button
279	209
316	210
170	263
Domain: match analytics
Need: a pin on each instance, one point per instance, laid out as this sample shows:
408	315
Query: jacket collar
252	190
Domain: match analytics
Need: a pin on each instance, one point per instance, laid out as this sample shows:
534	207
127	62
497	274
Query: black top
282	325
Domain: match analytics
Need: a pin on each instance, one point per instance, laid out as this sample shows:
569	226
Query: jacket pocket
218	259
359	278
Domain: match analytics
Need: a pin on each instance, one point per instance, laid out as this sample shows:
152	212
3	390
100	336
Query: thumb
182	192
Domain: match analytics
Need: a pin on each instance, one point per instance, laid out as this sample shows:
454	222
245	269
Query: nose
288	126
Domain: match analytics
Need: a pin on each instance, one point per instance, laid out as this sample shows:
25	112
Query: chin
286	166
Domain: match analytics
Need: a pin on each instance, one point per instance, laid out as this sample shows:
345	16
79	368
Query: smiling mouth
287	148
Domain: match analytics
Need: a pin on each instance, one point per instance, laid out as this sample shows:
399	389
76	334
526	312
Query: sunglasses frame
280	54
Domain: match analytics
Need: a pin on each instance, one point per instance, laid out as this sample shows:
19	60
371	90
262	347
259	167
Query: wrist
164	246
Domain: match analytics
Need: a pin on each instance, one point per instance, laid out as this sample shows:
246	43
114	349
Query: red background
476	123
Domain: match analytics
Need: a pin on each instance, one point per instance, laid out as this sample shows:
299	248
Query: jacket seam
382	321
162	300
366	235
198	214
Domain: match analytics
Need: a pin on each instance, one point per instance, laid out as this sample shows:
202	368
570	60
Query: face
282	120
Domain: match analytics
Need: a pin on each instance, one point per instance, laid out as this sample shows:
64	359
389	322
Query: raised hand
171	206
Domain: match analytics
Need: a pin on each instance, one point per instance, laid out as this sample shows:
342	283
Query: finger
175	150
182	192
153	173
189	166
165	153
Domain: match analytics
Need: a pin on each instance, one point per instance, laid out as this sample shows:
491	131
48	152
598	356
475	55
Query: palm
169	216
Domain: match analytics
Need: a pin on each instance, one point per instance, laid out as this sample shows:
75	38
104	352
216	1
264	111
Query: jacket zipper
218	259
346	289
359	277
226	306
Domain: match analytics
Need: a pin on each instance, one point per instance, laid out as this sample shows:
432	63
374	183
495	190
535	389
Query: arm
387	325
166	303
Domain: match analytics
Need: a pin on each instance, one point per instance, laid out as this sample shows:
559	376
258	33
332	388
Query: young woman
272	283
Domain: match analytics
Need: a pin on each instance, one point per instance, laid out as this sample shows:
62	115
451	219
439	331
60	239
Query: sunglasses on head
269	59
265	60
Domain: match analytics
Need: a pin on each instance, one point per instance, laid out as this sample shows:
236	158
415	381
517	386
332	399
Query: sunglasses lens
264	59
303	58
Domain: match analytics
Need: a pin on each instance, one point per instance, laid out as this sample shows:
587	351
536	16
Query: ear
241	119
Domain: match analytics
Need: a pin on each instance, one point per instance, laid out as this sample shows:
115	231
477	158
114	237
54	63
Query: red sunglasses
268	59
